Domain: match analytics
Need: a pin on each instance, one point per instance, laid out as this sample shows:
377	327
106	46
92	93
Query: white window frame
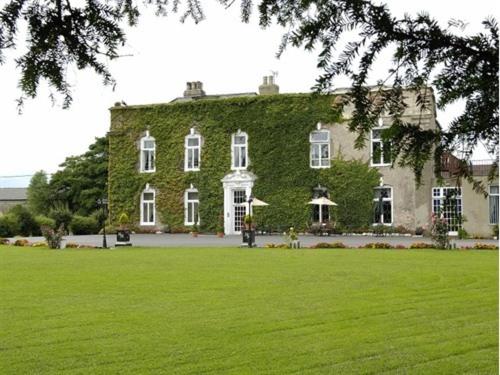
492	195
187	202
152	202
150	151
235	167
190	150
319	144
391	199
442	196
373	140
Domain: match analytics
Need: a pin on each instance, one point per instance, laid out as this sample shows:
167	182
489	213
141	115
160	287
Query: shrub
419	231
494	230
9	226
53	237
331	245
276	246
39	244
4	241
400	246
45	221
378	245
21	242
25	220
440	232
421	245
72	245
462	234
62	216
379	229
485	246
84	225
401	229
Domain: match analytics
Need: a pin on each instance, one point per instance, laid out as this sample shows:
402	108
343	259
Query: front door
239	209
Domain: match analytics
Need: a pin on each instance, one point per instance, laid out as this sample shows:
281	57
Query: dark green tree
39	194
458	66
82	179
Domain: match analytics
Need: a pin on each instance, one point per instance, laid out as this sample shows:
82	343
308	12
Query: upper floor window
380	149
320	149
191	204
148	206
148	150
493	203
239	147
192	145
382	205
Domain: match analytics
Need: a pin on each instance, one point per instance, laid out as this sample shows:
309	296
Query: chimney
194	90
268	86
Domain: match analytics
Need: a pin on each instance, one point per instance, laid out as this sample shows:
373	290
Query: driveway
207	240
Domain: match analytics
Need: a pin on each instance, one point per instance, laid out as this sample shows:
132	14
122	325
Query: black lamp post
103	202
250	231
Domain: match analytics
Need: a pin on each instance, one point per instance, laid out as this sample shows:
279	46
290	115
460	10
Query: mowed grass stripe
247	311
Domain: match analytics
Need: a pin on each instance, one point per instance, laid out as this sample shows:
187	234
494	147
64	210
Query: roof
13	194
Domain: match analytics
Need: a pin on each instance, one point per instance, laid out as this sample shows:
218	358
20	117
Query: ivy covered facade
197	159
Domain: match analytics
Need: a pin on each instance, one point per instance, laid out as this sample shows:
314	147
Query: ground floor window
148	206
493	203
321	214
447	203
191	204
382	205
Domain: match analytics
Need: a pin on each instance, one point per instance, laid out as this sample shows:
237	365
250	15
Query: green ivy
278	130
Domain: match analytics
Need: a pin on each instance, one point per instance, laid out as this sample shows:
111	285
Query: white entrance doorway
237	188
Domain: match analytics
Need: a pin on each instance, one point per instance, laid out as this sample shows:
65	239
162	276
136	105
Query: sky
161	55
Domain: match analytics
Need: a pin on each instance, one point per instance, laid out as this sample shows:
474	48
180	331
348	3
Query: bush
440	232
419	231
401	229
62	216
21	242
421	245
84	225
4	241
276	246
331	245
494	230
25	220
39	244
9	226
400	247
72	245
45	221
378	245
485	246
462	234
53	237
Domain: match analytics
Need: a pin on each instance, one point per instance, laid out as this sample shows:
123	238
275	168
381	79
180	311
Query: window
447	202
148	206
493	202
192	144
382	205
148	148
320	149
191	204
321	214
380	150
239	154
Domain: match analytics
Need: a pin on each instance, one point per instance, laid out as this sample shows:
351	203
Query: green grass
242	311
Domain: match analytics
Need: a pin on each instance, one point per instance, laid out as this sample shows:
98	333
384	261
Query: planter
123	237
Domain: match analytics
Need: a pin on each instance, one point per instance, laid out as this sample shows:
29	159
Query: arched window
191	204
148	206
192	146
148	150
320	148
239	150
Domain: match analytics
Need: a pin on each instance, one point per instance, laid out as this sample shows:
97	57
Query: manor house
197	159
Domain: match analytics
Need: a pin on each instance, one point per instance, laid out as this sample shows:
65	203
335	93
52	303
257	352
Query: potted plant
248	221
194	230
123	232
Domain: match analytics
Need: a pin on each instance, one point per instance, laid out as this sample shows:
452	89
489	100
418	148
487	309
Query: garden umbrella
257	202
322	202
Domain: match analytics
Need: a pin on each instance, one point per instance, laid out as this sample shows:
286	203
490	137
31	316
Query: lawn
248	311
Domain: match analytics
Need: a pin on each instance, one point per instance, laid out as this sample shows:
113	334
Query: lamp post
103	202
250	200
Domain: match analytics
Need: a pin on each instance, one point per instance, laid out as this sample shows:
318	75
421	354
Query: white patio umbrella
322	202
257	203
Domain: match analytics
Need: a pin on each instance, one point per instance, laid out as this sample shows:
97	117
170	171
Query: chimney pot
268	86
194	89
